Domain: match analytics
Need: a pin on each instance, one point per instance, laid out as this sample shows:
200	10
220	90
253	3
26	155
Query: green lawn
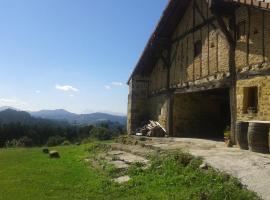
27	174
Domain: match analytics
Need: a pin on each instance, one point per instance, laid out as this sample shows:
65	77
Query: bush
25	142
66	143
11	143
101	133
55	140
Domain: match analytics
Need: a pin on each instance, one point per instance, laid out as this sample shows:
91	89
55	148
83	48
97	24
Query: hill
63	115
14	116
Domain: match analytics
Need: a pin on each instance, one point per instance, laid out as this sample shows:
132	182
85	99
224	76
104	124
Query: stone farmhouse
206	66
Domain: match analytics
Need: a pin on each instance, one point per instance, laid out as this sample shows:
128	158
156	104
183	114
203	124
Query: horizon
3	108
71	55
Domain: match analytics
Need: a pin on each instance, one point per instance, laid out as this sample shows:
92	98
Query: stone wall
158	110
254	46
137	103
158	77
263	112
185	67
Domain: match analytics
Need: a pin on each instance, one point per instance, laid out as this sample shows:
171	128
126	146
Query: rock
54	154
122	179
45	150
203	166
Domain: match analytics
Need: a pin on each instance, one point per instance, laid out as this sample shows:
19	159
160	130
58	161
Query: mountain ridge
72	118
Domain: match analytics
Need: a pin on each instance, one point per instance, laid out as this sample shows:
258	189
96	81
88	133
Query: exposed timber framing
211	19
248	34
229	33
202	16
263	34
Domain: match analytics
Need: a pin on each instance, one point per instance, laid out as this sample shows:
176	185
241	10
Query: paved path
252	169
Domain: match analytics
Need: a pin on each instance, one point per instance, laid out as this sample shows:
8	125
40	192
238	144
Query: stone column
137	103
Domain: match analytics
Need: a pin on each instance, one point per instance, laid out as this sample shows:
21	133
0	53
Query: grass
29	174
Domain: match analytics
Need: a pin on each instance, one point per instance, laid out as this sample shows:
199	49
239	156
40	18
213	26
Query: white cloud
71	95
38	91
113	85
66	88
12	102
118	84
107	87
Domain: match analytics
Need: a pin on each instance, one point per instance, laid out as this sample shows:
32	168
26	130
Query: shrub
11	143
55	140
66	143
25	142
101	133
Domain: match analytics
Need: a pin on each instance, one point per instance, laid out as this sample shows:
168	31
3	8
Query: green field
27	174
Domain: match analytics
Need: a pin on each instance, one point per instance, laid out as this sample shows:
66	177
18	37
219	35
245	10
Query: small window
250	100
198	48
241	30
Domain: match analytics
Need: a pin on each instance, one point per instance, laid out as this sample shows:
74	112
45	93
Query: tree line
28	135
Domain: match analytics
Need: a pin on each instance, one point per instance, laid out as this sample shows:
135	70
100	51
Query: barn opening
201	114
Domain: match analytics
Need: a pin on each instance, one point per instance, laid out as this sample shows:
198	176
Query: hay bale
54	154
45	150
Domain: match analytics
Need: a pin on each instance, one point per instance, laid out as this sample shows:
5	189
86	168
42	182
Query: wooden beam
248	35
263	34
202	16
193	38
211	19
224	29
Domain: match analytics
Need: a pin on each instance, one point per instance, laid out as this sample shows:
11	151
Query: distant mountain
14	116
59	114
7	107
63	115
9	114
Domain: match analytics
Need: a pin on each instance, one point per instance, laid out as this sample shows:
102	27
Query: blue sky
72	54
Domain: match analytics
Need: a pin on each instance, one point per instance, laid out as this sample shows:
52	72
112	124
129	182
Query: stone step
127	157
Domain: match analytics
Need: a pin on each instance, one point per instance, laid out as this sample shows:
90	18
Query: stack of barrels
253	136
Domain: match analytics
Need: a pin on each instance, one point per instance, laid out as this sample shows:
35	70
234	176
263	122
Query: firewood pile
152	129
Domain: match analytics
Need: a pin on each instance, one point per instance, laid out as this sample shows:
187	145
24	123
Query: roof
263	4
171	16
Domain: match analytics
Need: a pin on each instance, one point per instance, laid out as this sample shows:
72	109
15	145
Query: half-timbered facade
206	66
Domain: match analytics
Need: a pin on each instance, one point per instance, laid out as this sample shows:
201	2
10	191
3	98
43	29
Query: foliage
227	132
66	142
55	140
38	134
25	142
101	133
173	175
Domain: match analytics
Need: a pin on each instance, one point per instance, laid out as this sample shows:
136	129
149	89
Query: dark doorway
201	114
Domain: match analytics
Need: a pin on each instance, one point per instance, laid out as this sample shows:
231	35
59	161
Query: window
250	104
241	30
197	48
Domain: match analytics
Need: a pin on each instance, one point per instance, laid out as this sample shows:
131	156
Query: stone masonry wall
213	60
137	103
254	46
158	109
263	84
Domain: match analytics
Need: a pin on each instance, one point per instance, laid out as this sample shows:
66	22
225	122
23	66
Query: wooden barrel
258	137
242	134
